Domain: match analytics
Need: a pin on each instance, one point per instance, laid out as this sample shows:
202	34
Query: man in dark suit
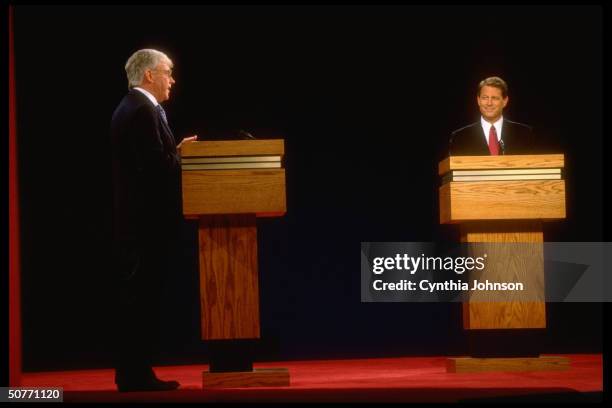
146	214
492	134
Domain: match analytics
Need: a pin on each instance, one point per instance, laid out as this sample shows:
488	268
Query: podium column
227	185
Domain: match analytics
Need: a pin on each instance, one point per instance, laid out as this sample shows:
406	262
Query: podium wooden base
259	377
516	263
229	278
474	365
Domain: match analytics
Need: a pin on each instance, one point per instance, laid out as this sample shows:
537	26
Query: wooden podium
227	185
504	199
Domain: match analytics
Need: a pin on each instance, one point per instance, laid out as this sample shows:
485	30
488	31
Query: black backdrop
365	99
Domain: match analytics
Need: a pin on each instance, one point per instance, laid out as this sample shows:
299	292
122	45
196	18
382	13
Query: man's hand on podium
186	140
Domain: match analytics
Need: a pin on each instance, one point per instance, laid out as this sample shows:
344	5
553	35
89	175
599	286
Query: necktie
168	133
162	112
493	143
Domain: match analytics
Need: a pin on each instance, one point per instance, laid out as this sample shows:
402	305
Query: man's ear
506	99
148	76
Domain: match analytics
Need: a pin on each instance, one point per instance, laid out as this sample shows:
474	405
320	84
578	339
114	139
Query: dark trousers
140	267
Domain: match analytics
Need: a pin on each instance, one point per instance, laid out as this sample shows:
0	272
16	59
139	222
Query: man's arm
146	142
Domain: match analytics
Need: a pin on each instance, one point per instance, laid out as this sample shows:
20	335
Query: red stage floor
407	379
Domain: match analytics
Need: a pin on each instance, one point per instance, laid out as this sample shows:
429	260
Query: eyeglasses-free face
491	103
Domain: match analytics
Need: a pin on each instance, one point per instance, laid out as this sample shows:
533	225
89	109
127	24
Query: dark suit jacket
470	140
146	217
146	171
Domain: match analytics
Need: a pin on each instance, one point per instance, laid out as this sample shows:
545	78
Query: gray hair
142	60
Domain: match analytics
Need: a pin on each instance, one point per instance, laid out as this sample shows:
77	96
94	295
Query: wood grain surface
498	200
474	365
523	261
233	192
259	377
500	162
234	148
229	289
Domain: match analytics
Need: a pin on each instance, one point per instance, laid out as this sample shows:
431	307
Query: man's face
162	81
491	103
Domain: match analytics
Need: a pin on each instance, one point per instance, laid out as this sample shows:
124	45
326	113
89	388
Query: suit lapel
480	139
507	136
165	129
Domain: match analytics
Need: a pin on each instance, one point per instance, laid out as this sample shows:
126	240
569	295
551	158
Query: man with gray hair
147	214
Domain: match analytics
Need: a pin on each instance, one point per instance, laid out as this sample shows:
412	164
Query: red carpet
407	379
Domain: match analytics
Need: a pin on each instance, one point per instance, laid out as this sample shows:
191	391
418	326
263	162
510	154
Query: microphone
450	145
502	146
245	134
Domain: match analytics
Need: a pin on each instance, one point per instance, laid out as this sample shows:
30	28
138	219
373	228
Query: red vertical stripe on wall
14	252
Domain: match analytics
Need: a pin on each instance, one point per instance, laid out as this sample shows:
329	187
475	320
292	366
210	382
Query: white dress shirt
486	127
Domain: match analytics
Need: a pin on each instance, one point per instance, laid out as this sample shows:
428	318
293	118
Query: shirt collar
148	95
486	126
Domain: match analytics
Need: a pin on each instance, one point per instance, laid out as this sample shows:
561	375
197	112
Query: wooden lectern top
512	187
531	161
234	148
233	177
